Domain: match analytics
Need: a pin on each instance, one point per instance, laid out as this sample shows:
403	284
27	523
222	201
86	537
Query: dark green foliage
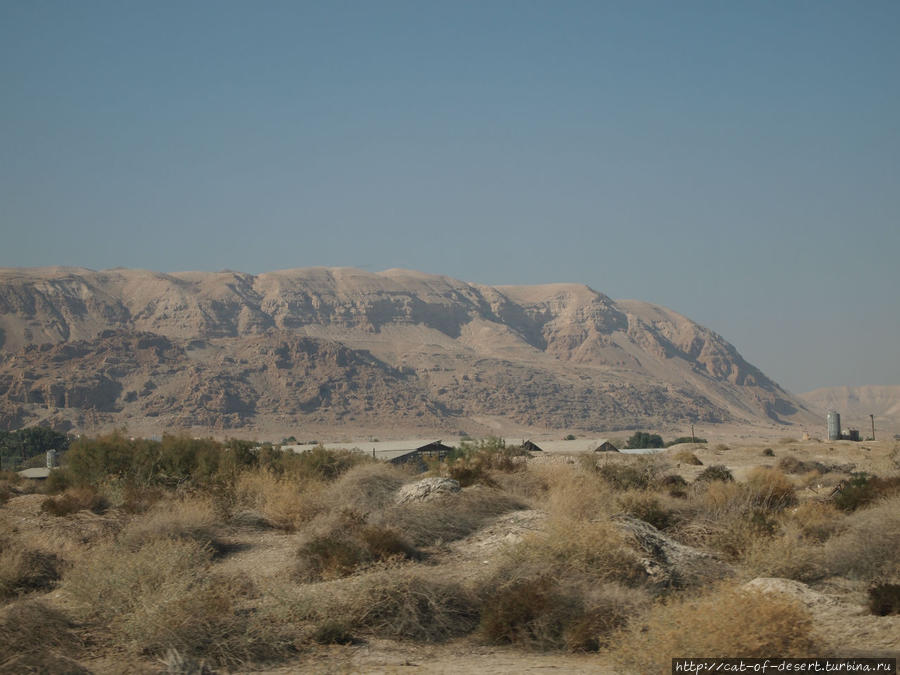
570	437
643	439
863	489
768	452
684	439
715	472
200	462
17	447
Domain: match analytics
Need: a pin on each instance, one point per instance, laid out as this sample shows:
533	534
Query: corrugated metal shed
583	445
389	451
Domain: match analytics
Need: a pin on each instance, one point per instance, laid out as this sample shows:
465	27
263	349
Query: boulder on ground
426	489
671	564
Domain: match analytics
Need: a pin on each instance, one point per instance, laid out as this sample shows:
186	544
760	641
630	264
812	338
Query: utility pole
872	417
692	434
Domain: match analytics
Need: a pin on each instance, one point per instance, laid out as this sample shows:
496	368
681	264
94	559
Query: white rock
426	490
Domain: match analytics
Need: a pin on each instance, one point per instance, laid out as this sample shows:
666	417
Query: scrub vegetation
199	554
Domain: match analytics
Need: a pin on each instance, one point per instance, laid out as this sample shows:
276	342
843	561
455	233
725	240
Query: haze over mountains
856	404
324	347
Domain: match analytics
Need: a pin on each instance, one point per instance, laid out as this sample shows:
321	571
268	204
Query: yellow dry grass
725	622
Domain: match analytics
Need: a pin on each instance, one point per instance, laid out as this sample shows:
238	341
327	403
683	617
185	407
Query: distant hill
339	346
856	404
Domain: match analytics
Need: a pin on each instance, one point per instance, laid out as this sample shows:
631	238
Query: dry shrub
791	464
470	471
884	599
283	501
347	543
786	555
406	605
675	485
867	549
541	612
717	500
716	472
576	494
770	489
35	638
687	457
451	518
863	489
568	548
530	612
650	508
7	490
161	596
531	485
188	518
333	633
605	609
74	500
176	663
731	517
817	521
725	622
129	497
24	569
633	473
366	487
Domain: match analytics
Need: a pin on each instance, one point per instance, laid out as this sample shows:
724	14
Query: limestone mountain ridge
339	346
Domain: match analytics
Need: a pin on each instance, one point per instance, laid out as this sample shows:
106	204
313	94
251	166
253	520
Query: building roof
386	450
37	472
581	445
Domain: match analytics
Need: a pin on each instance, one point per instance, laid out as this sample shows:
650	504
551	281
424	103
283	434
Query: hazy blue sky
736	162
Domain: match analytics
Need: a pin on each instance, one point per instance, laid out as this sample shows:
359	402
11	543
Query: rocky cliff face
342	346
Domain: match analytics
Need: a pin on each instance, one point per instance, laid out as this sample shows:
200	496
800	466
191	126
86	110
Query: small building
415	451
850	434
530	446
434	451
605	446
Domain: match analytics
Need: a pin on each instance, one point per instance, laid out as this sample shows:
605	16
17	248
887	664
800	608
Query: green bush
643	439
31	442
862	489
